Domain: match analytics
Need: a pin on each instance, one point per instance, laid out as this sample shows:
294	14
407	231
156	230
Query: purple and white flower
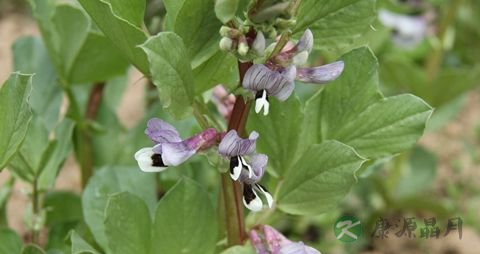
273	79
247	167
409	31
269	241
169	149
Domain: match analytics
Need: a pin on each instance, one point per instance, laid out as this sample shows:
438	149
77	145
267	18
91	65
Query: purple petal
321	74
258	163
257	243
160	131
279	84
258	77
306	42
174	154
297	248
275	240
205	139
232	145
285	83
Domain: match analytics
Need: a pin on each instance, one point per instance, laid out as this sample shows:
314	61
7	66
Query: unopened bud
226	44
259	44
243	48
226	31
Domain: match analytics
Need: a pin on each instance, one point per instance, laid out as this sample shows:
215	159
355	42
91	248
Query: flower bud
259	44
243	48
226	44
226	31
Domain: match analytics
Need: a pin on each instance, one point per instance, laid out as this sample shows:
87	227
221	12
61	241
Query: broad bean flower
269	241
247	167
277	77
169	149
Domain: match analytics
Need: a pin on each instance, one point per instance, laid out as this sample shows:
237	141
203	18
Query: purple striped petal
258	162
258	77
233	145
321	74
160	131
306	42
279	84
286	85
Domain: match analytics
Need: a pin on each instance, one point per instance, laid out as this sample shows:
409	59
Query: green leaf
335	24
80	246
98	60
419	175
128	224
16	114
171	72
122	24
240	250
31	56
26	163
63	138
353	111
106	182
32	249
221	68
10	242
78	51
40	157
279	132
195	22
185	221
62	207
226	9
320	179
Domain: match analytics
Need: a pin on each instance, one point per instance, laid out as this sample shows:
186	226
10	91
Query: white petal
267	195
255	204
262	102
237	170
145	162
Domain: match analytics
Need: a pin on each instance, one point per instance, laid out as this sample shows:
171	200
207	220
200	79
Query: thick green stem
435	59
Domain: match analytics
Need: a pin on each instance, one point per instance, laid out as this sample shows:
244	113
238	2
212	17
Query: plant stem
36	211
232	190
84	149
435	59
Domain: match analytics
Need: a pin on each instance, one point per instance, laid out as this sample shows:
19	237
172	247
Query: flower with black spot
247	167
169	149
277	77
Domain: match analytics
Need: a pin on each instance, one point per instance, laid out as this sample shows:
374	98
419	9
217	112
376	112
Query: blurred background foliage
430	48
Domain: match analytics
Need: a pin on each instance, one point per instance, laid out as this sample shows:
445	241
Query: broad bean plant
255	110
